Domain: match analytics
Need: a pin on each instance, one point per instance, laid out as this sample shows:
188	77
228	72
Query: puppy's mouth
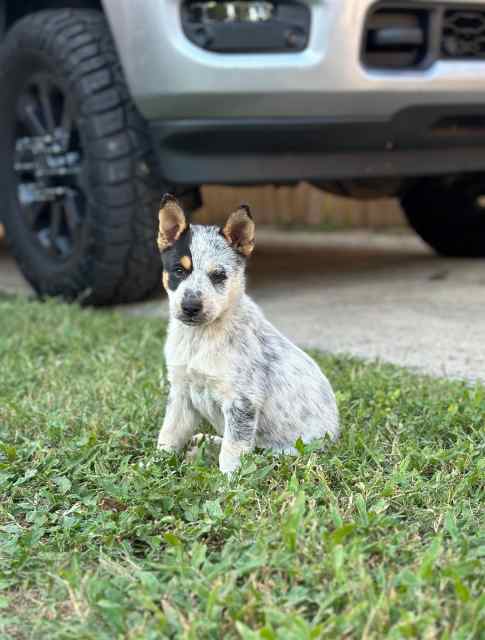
192	321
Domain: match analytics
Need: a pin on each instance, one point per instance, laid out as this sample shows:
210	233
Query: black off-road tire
117	260
449	214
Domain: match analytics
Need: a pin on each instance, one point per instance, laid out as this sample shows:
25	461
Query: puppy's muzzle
191	309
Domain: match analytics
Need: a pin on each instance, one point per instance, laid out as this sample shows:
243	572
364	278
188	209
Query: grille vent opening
396	38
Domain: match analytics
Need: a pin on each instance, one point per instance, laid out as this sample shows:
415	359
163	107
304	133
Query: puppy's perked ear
239	230
172	222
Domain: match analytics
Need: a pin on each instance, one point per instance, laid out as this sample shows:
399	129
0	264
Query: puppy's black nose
191	307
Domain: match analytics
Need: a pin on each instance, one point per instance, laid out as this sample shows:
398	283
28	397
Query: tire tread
122	264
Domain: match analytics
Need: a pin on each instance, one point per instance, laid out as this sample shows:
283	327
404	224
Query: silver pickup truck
104	104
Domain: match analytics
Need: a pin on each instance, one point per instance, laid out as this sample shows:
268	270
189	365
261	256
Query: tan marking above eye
165	279
186	263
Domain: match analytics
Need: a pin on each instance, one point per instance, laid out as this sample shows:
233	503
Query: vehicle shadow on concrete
327	258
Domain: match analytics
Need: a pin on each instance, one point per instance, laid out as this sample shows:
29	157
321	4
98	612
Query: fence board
302	204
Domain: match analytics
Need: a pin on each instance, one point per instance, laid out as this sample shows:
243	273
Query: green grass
380	537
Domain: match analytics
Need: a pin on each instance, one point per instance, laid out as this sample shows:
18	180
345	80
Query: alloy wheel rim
48	166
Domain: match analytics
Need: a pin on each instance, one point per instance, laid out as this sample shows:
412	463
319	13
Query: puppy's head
203	266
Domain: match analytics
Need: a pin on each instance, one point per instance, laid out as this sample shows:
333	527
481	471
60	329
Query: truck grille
408	35
463	34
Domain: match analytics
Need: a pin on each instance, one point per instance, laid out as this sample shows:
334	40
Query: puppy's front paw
166	448
229	464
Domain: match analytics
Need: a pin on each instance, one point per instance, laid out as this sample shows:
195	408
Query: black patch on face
218	278
171	260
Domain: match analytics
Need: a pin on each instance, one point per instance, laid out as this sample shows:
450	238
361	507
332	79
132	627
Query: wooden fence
301	205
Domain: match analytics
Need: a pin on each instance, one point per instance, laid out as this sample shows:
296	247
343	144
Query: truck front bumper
171	78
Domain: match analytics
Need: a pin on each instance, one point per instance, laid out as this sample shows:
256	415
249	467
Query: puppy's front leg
240	417
180	422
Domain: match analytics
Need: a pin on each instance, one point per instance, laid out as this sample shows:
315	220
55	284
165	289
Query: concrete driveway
371	295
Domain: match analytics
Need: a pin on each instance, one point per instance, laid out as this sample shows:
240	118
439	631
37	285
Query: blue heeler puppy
226	363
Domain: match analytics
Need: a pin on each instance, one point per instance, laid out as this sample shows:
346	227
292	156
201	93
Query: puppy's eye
179	271
218	277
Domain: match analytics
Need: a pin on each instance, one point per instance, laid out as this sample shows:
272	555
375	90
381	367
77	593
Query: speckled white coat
233	368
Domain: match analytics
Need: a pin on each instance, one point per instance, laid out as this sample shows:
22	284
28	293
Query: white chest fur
202	368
